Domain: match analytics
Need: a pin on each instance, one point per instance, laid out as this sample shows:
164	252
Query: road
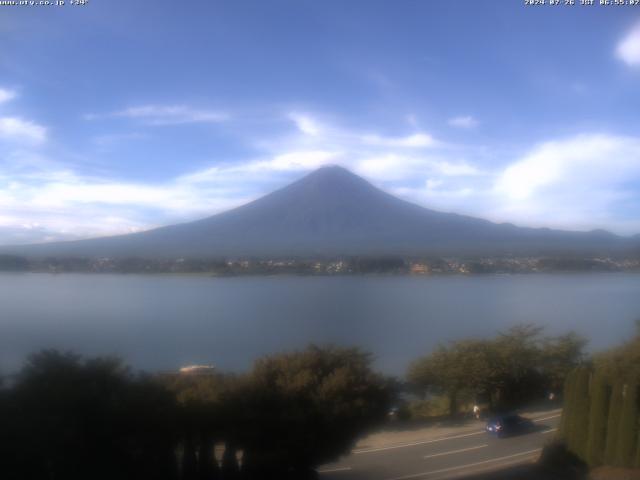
459	454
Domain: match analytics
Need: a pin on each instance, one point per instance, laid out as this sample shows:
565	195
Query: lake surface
164	322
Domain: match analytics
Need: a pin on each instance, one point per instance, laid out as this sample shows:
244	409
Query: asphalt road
460	454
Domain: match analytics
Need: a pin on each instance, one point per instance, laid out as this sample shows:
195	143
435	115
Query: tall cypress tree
613	423
628	426
577	440
567	411
598	413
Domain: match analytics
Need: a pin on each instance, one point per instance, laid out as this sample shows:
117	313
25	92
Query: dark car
511	424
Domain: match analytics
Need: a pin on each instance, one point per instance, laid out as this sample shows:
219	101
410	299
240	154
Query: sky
120	116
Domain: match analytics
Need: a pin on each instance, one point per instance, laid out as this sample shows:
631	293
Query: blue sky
120	116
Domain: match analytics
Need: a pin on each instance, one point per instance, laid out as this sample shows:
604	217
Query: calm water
163	322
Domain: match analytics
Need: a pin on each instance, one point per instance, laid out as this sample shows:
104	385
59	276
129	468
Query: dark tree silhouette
75	419
69	418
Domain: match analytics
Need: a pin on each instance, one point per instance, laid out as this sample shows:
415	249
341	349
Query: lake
164	322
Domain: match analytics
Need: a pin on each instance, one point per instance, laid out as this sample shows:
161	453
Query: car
510	424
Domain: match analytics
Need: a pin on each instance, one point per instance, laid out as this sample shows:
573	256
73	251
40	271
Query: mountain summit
332	211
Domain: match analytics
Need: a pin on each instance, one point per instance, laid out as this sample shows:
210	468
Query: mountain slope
333	212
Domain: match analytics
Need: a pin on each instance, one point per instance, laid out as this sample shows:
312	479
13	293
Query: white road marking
549	431
425	442
460	467
337	469
547	418
456	451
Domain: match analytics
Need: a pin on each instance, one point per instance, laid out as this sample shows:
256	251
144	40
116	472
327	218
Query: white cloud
456	169
16	129
378	156
16	233
295	161
165	115
397	167
48	203
60	228
6	95
171	197
465	121
416	140
576	182
306	124
44	201
324	133
580	162
628	49
387	167
64	201
581	182
433	184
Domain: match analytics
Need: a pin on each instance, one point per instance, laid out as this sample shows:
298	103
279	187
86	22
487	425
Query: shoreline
323	275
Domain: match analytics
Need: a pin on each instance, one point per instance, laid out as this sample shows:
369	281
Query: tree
566	421
600	395
73	419
611	422
306	408
622	361
559	355
205	416
577	440
515	367
517	370
636	461
461	369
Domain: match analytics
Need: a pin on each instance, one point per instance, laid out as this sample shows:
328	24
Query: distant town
323	266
